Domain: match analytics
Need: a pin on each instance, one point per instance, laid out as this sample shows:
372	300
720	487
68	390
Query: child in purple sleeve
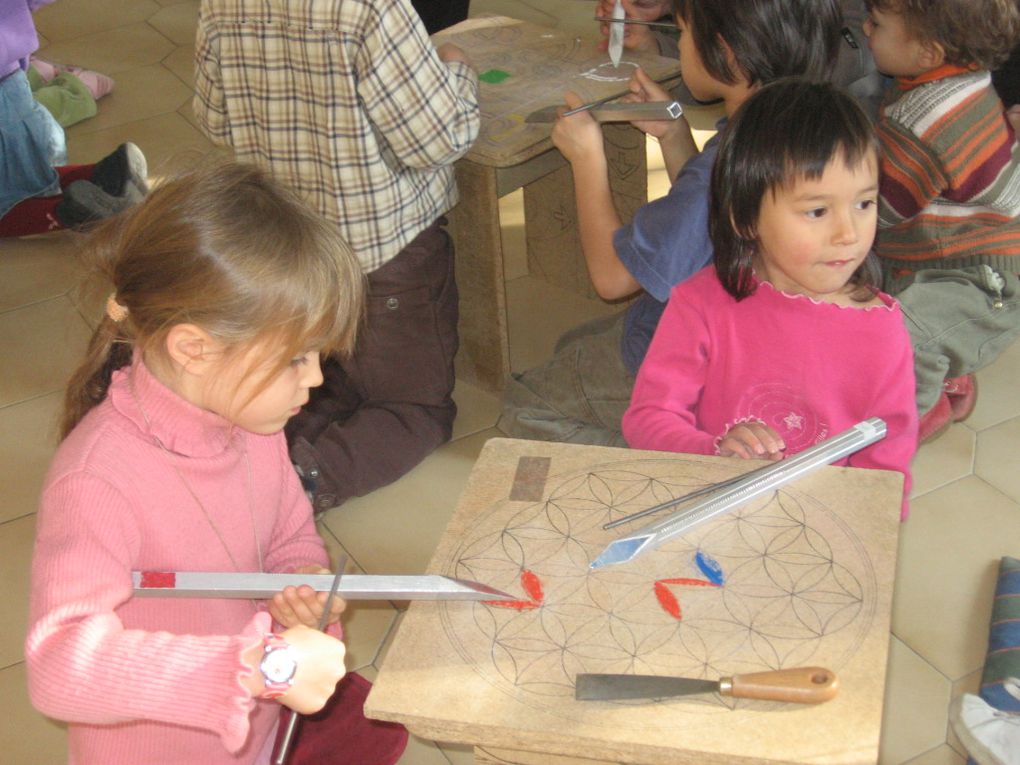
728	49
787	340
38	190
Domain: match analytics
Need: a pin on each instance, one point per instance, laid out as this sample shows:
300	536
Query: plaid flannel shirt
347	102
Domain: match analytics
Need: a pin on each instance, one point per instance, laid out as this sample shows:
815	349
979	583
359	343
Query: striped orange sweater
950	190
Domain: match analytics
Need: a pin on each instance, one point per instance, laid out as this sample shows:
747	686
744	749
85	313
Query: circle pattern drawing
782	582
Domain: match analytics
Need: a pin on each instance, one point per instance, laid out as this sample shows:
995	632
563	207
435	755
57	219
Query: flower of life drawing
799	587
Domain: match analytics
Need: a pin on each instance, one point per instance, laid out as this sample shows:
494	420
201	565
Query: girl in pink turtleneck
226	289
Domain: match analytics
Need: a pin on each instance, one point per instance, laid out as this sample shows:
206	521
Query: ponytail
108	351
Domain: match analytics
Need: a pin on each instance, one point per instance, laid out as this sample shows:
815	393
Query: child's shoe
962	393
340	734
936	420
991	736
124	173
84	202
98	84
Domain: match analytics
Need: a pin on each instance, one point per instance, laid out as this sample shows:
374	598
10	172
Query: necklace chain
194	496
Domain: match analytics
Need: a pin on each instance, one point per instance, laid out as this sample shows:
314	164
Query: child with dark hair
949	217
728	49
753	358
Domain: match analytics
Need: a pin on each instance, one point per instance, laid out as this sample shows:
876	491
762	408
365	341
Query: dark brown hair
227	249
769	38
790	129
979	33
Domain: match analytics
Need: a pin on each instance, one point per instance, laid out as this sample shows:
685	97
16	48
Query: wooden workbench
808	577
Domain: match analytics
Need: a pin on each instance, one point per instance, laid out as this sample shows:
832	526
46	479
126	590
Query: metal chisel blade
593	687
207	584
624	112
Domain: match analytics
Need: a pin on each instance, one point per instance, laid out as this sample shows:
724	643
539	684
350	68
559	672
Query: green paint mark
493	76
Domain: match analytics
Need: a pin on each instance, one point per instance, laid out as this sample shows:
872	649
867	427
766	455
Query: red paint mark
532	586
158	579
693	582
667	600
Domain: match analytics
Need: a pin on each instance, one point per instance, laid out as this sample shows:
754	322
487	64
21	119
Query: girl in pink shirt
786	341
226	290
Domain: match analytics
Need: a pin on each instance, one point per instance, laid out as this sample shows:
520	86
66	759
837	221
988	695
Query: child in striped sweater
950	190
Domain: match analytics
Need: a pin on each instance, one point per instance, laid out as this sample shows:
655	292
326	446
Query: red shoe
962	392
340	734
936	420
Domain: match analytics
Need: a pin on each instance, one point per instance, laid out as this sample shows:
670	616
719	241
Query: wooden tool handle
804	685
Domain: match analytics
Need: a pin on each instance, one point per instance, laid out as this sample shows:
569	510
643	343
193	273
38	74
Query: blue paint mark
709	567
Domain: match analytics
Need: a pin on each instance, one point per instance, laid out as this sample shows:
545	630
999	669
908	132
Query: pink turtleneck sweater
158	680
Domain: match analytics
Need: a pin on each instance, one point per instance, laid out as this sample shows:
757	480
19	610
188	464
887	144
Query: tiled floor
966	508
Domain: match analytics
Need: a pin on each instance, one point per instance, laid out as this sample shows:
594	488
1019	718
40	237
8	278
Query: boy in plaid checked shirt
348	102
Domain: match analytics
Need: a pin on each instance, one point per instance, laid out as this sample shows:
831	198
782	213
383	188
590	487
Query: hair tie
115	310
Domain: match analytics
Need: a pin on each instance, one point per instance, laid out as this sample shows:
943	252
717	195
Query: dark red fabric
37	215
340	734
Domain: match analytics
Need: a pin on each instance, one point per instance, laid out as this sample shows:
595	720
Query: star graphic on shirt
793	421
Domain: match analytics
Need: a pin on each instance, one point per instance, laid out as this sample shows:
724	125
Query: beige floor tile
395	529
996	460
15	562
940	755
944	460
142	92
70	19
997	390
948	558
26	737
168	142
916	697
114	52
41	345
177	22
181	62
36	268
968	684
458	754
28	438
539	313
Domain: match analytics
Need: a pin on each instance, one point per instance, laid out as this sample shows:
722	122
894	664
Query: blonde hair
228	249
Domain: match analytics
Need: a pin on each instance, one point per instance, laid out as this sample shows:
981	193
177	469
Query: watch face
278	666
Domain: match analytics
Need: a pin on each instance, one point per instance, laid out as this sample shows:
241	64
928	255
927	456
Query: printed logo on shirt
786	411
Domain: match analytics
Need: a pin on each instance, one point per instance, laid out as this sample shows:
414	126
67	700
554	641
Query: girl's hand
579	135
752	440
302	605
320	665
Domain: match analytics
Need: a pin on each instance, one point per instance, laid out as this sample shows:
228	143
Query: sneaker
84	202
124	173
991	736
936	420
962	393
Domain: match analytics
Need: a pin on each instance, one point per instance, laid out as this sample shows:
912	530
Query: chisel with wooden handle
802	685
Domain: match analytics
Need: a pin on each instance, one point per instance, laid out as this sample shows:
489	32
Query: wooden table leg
484	355
550	210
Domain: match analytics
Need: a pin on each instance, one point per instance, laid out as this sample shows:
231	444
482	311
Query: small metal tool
229	584
666	25
292	719
750	486
622	112
803	685
616	34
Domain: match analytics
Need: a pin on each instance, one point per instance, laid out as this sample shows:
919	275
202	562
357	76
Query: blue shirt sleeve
667	241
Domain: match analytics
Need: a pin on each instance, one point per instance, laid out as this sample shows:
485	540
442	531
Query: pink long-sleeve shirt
807	369
158	680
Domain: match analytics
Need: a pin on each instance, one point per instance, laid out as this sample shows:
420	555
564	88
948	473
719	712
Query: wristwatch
278	667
